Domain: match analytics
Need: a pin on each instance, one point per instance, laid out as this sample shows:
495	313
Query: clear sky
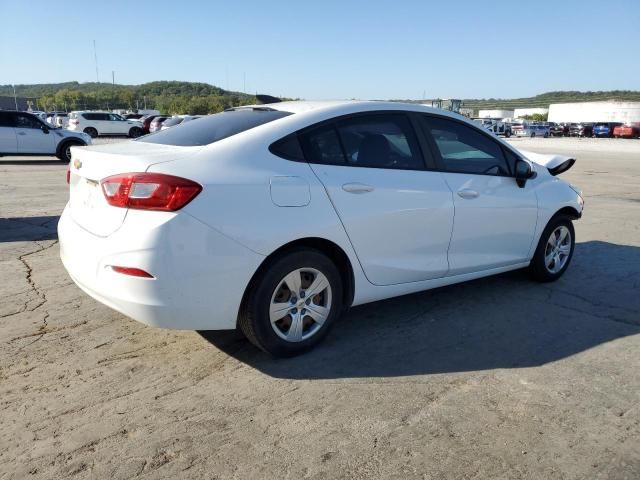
330	49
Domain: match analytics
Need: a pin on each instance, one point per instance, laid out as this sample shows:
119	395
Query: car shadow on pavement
29	229
14	161
506	321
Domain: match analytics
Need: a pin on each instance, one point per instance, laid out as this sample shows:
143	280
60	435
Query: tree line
167	96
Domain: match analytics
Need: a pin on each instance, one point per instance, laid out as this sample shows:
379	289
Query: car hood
556	164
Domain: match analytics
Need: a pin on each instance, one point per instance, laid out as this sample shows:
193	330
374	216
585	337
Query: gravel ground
498	378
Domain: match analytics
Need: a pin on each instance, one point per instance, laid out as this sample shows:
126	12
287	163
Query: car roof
340	107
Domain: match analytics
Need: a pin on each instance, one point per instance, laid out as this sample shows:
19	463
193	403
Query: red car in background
146	121
628	130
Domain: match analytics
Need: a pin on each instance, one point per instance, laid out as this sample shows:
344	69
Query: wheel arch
332	250
570	212
66	141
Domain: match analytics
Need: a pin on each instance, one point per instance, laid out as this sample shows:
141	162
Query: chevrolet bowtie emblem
77	164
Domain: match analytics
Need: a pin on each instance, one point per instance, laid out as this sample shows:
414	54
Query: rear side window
213	128
380	141
463	149
288	148
322	145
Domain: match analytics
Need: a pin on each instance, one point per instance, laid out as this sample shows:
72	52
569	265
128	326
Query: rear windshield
212	128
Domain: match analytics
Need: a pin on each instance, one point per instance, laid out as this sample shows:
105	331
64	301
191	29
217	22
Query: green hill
545	99
166	96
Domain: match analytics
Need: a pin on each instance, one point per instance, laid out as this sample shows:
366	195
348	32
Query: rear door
32	135
494	219
8	142
397	214
99	121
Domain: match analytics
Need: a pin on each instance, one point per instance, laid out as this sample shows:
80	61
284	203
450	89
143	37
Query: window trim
428	162
438	157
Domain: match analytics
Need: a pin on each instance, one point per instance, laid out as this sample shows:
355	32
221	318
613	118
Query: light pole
15	99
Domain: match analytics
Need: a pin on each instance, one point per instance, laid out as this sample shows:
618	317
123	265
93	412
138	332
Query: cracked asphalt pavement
498	378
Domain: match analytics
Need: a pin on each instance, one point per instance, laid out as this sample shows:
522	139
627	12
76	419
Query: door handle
357	188
22	133
468	194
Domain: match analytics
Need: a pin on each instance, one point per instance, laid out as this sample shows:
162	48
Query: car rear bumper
199	274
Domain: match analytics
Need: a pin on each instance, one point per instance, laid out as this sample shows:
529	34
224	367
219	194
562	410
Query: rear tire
92	132
554	251
135	132
278	319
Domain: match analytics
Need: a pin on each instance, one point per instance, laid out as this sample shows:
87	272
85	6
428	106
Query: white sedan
276	218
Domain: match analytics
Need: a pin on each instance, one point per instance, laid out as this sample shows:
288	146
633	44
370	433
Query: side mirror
523	173
45	129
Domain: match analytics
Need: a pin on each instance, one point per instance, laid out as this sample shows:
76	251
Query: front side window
27	121
465	150
6	119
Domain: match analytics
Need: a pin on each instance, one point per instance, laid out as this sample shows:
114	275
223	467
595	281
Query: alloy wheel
300	304
558	249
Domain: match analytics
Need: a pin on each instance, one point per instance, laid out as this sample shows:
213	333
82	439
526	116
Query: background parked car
173	121
104	123
146	121
559	130
156	123
22	133
628	130
605	129
533	130
581	130
133	116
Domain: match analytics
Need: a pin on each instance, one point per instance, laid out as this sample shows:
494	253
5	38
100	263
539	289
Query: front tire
64	153
292	303
135	132
554	251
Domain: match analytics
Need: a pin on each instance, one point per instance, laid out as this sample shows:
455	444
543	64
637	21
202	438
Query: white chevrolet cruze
276	218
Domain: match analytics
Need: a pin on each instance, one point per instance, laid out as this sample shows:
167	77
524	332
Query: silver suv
23	133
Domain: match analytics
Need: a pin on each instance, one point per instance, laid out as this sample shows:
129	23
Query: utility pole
15	99
244	82
95	58
113	86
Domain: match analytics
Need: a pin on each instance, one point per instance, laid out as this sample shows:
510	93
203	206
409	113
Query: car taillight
68	174
149	191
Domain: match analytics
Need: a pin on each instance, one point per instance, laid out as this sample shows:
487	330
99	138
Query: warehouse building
499	114
595	112
524	112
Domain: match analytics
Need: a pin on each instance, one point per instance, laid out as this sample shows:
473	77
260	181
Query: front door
494	219
8	142
33	136
397	214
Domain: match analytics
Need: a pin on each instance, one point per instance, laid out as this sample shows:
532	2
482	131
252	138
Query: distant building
9	103
524	112
595	112
499	114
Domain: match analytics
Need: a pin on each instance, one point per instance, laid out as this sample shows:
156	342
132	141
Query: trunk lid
89	165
